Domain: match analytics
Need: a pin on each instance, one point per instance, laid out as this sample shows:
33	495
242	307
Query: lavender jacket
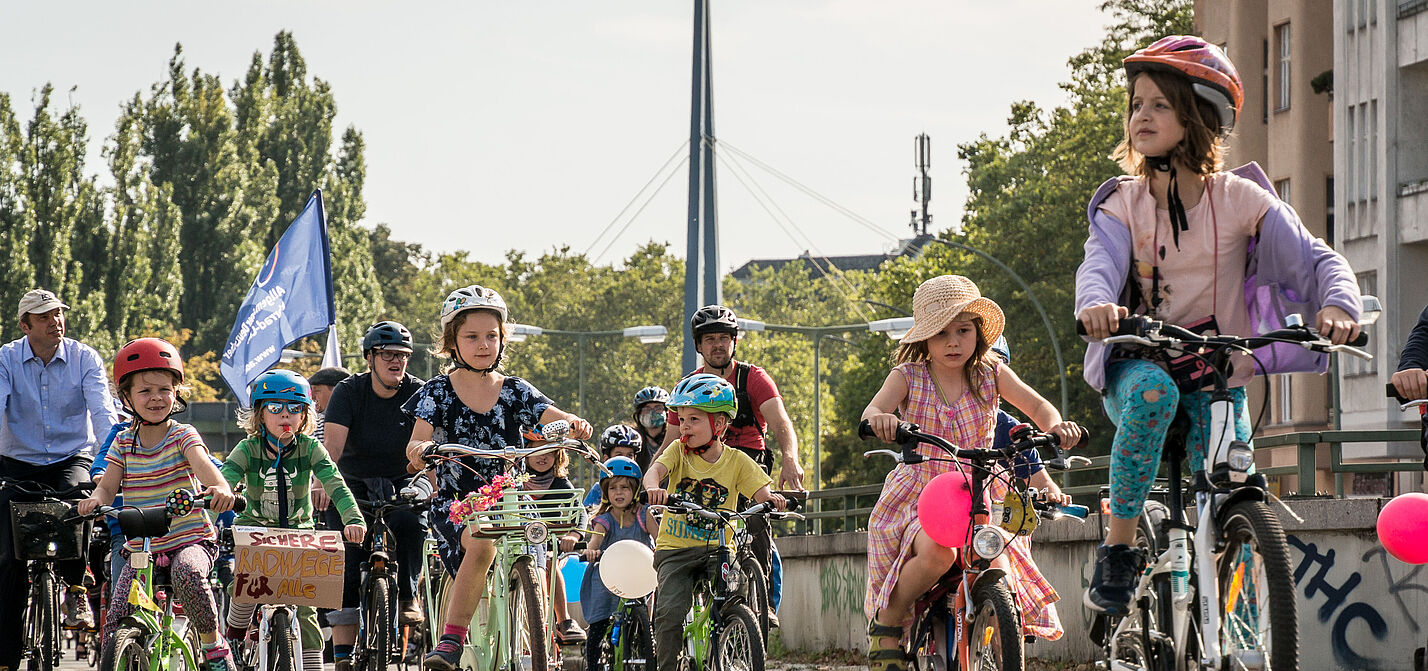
1288	271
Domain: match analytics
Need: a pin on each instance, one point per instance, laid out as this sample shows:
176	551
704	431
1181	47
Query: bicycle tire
1251	526
995	620
195	649
129	652
1137	647
44	630
737	646
637	640
525	610
929	645
377	627
281	655
756	592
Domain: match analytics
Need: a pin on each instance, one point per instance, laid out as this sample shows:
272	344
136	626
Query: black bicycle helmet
387	335
651	394
714	319
329	377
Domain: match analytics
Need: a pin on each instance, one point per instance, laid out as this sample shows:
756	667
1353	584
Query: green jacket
248	464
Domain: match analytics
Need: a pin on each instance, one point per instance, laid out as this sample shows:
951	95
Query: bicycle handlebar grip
1359	341
865	430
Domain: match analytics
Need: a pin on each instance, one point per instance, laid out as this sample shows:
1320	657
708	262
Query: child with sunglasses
277	462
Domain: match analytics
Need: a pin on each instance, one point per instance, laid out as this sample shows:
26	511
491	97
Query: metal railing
847	508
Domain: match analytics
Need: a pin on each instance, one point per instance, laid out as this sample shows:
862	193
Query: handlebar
41	489
1142	330
680	505
1405	403
512	455
1024	438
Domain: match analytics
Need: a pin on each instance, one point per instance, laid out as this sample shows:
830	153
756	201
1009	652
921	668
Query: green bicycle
152	638
510	633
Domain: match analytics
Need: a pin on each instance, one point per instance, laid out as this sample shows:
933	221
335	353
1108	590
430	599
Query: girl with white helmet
471	404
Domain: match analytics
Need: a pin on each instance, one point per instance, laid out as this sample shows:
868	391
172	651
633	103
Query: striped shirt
152	473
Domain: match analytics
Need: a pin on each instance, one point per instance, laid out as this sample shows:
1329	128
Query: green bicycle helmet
710	393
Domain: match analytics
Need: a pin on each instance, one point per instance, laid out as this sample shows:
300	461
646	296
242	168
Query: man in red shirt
716	332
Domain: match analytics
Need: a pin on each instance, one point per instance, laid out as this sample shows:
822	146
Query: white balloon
627	569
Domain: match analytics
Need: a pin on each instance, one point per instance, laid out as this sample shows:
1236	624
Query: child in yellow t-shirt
700	470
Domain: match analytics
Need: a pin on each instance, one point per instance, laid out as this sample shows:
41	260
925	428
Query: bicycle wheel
377	626
737	646
1137	646
1260	624
281	655
930	644
994	637
43	630
525	611
755	591
636	640
130	652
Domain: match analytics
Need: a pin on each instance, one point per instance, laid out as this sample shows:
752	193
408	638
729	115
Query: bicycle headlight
536	532
987	542
1240	457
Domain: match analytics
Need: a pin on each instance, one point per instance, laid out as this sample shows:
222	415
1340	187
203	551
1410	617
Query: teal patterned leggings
1141	399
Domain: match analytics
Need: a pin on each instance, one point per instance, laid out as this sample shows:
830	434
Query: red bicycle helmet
1212	76
147	354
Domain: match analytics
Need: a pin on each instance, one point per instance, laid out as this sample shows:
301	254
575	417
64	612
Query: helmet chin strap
1179	221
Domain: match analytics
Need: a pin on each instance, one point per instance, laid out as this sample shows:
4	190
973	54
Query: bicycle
40	538
379	641
1236	565
1420	655
721	631
154	637
513	634
628	642
273	641
755	589
968	618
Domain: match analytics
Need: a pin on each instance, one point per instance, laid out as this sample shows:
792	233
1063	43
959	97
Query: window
1264	82
1371	139
1281	41
1283	400
1351	156
1282	188
1364	156
1368	284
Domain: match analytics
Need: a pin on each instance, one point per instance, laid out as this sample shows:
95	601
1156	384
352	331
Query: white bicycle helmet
474	297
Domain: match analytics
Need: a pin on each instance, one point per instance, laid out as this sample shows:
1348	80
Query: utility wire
674	171
679	150
864	221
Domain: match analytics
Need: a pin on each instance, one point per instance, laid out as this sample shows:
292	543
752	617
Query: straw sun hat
942	298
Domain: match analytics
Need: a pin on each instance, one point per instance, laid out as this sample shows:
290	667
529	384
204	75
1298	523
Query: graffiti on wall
842	585
1334	594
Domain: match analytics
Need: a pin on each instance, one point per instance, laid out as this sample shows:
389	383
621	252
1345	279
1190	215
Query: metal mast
701	273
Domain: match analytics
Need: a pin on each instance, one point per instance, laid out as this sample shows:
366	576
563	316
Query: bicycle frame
168	640
380	564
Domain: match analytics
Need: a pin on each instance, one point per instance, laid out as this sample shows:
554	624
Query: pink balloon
1403	527
945	509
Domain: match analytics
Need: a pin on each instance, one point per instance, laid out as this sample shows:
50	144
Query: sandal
881	656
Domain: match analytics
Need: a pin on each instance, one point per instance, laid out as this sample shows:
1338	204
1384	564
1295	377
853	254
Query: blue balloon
574	572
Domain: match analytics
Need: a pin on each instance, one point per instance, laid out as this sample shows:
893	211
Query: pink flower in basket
464	511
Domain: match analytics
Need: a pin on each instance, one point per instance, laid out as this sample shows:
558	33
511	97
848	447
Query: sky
493	126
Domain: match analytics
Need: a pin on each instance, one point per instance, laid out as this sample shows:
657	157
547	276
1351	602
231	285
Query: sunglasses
387	355
279	407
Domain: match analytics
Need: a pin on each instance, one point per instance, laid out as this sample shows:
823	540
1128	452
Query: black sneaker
446	656
1113	584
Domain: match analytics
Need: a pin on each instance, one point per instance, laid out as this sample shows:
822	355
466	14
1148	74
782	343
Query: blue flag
291	298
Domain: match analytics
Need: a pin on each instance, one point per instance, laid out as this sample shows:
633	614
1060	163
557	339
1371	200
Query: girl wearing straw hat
949	381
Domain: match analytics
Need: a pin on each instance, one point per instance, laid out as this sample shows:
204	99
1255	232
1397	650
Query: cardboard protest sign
300	567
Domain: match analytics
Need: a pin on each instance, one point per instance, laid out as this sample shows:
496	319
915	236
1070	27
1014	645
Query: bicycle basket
40	532
558	510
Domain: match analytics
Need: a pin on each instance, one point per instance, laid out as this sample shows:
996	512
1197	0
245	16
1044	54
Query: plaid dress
893	525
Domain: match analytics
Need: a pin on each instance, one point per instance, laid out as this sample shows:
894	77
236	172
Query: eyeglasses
279	407
390	355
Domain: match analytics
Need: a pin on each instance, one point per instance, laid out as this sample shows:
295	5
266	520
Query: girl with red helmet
1183	241
152	458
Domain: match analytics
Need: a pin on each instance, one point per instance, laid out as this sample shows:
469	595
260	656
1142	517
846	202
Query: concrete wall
1358	607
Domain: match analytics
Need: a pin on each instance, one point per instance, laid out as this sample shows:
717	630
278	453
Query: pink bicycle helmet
1212	76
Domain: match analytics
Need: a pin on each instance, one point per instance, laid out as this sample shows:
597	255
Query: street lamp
895	328
647	335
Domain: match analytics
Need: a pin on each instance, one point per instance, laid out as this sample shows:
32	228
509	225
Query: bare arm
781	426
879	412
334	439
1040	410
579	428
104	490
219	493
654	493
421	435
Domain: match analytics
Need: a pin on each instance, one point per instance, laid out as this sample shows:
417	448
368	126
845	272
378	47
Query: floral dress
519	404
893	525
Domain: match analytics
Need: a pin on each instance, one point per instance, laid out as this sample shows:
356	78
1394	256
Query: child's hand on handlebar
220	498
87	506
779	503
1070	434
354	533
884	425
656	496
1055	496
568	541
591	554
1335	324
1103	319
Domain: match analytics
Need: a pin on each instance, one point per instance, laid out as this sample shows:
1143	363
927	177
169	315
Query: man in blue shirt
55	408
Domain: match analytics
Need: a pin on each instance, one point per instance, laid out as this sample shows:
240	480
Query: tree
17	229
